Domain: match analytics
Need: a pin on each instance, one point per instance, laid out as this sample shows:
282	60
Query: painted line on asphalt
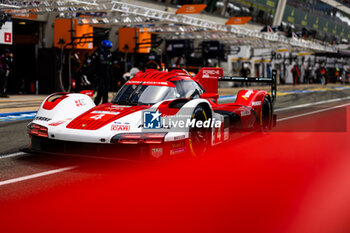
322	89
15	116
14	100
16	113
313	112
312	104
12	155
33	176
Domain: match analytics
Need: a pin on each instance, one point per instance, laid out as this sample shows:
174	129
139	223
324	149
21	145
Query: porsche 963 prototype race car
156	113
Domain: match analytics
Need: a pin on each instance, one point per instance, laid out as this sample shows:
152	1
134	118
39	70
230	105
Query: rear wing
208	77
272	81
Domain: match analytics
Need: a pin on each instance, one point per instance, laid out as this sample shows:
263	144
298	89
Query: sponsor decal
256	103
160	83
57	123
40	118
121	123
211	73
105	112
245	113
157	152
80	102
118	107
120	127
178	145
247	94
177	138
177	151
151	120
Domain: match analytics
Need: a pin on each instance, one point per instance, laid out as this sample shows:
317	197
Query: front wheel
199	137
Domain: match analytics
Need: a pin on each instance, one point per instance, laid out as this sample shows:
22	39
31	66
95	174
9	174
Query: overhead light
127	20
84	2
9	6
22	23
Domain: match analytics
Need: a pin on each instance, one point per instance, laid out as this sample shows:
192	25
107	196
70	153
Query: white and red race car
157	113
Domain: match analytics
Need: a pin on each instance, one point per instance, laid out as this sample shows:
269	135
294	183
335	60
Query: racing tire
266	115
199	138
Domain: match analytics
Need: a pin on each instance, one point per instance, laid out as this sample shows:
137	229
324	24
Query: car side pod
139	138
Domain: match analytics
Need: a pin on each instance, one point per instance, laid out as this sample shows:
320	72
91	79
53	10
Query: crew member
6	61
101	62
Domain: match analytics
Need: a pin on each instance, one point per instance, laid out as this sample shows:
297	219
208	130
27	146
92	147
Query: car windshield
143	94
151	94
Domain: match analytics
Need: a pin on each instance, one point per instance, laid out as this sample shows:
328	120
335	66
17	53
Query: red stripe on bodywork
86	121
52	101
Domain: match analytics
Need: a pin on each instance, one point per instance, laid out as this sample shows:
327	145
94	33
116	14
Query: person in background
6	62
323	75
245	73
101	65
118	80
296	74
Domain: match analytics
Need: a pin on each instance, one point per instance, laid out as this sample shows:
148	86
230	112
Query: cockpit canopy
142	93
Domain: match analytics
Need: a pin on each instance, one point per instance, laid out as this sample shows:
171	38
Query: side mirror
210	96
88	93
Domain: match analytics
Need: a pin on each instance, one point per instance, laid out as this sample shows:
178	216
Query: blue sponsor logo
151	120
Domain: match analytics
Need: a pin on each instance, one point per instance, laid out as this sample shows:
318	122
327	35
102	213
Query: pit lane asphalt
14	137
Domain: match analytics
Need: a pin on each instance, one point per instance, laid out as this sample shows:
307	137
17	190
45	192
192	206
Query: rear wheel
266	115
199	136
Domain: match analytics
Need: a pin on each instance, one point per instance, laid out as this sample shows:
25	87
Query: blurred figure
245	72
296	74
6	62
117	80
134	71
323	76
268	70
129	75
101	65
337	75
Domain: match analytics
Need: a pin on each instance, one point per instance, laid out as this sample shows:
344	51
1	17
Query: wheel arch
207	109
